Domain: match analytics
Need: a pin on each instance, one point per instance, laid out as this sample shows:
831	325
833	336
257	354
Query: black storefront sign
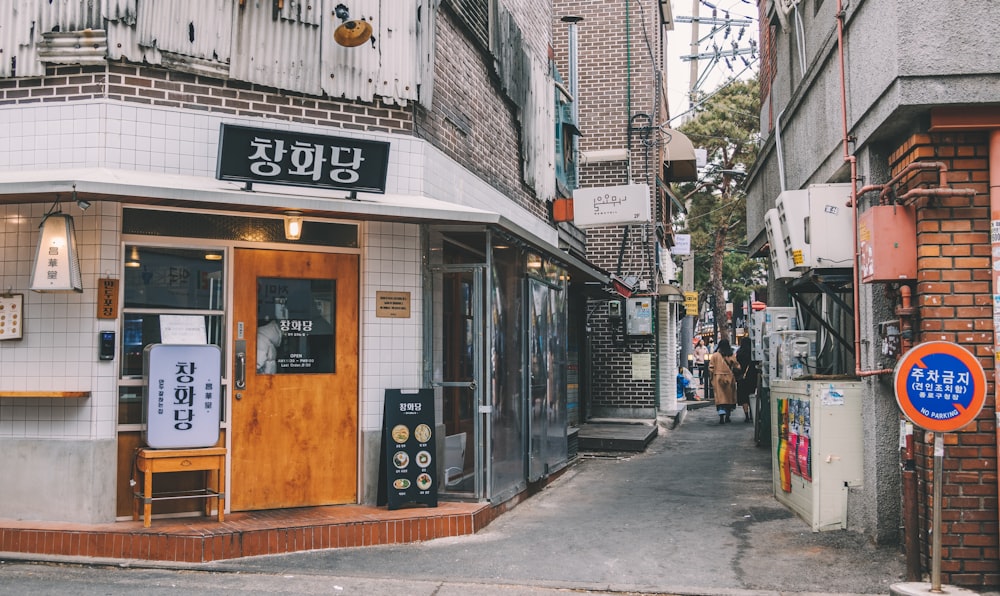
408	467
281	157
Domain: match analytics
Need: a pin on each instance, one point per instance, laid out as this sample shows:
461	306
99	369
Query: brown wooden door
295	418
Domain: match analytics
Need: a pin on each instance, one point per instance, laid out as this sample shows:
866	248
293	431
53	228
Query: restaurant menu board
410	472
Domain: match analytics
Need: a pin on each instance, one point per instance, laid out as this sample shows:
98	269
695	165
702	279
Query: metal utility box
639	315
780	318
780	265
818	444
757	327
887	239
817	226
792	354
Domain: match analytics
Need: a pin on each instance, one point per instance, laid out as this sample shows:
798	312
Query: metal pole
574	78
936	524
693	83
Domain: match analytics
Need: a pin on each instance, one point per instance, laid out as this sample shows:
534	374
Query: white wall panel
278	52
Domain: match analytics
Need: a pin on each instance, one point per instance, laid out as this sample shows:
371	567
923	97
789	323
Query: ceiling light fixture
133	258
57	262
293	225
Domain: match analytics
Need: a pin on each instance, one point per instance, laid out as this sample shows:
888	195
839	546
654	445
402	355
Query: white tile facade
58	351
391	347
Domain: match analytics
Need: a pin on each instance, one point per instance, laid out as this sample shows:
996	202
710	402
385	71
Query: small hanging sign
107	299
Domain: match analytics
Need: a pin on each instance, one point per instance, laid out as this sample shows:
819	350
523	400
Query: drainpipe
854	201
574	80
994	150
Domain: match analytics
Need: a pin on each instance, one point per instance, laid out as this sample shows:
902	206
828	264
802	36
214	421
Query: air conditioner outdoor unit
817	227
780	264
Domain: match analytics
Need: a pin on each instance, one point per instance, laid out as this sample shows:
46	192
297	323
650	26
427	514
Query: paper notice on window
183	329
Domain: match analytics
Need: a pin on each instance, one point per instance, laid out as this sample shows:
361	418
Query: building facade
910	132
624	140
341	214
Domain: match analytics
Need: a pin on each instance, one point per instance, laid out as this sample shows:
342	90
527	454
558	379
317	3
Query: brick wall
617	81
155	86
954	298
768	36
471	121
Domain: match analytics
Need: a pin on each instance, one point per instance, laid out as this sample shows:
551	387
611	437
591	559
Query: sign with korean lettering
611	205
301	159
182	395
940	386
691	304
296	325
107	298
409	469
392	305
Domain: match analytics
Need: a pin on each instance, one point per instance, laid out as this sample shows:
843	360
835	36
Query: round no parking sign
940	386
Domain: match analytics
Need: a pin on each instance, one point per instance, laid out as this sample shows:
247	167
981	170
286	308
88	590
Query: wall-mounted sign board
11	317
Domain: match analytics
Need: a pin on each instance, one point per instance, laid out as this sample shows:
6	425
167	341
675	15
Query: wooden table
211	460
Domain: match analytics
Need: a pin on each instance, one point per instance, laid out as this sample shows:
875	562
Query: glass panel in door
458	332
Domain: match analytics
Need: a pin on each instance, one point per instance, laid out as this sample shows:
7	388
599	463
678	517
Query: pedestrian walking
723	368
746	380
700	355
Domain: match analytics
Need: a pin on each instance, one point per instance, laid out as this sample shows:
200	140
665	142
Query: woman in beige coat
723	368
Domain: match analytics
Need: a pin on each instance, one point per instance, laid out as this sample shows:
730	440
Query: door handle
241	365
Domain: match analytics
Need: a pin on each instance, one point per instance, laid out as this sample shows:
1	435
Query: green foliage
726	125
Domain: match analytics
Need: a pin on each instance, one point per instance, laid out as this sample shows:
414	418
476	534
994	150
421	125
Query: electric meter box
792	354
887	239
816	226
639	315
780	318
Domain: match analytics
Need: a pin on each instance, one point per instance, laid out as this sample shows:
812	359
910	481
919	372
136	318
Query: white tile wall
114	135
59	349
108	134
391	348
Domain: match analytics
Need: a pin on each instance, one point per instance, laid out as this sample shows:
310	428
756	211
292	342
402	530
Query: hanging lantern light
57	261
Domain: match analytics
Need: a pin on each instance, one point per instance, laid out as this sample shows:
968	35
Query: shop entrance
457	376
294	418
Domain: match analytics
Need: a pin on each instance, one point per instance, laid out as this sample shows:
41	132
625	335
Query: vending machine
816	440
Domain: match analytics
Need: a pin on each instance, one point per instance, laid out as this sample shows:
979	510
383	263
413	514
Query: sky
679	44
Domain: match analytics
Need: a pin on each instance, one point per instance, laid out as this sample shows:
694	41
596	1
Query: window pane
173	278
295	325
141	330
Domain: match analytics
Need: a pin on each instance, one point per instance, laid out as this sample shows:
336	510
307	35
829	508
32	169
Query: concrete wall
901	59
58	480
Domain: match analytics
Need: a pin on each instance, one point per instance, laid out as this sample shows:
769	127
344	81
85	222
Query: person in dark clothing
746	379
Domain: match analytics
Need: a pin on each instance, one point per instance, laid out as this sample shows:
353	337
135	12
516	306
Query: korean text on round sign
940	386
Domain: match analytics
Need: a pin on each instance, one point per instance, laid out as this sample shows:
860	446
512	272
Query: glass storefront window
166	290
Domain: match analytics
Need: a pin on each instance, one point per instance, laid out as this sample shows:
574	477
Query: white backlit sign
611	205
182	395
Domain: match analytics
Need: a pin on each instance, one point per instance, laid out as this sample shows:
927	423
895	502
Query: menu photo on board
408	448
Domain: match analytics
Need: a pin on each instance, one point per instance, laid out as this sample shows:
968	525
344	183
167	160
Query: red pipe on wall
994	152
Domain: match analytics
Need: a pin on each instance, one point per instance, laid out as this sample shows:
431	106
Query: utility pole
693	83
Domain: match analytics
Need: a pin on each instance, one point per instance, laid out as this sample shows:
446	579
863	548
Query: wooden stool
151	461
